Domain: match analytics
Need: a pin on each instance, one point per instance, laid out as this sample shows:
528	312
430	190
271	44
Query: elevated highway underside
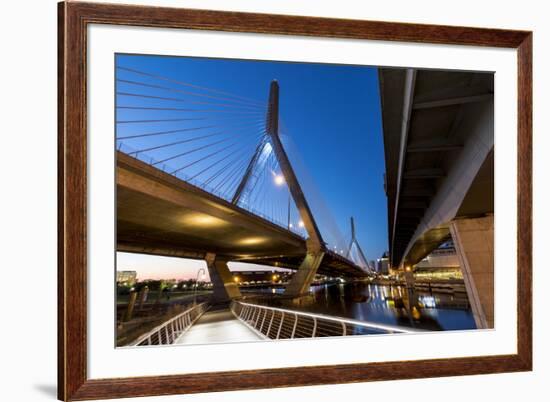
438	141
160	214
439	151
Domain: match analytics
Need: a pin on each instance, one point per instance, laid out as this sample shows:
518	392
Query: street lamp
279	179
197	284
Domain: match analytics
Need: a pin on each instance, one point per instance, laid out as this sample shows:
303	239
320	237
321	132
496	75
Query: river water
392	305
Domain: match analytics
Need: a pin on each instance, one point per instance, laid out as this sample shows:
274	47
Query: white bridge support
359	249
473	239
224	287
302	279
300	282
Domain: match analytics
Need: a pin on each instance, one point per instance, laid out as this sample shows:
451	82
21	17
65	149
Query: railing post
270	322
263	320
260	311
280	325
343	329
159	334
257	317
295	324
314	327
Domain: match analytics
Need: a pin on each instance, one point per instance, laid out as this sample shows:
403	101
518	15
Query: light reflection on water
385	305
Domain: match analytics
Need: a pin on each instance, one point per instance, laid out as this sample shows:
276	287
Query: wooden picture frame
73	382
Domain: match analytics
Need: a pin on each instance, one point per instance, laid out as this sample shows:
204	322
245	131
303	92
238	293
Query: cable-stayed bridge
204	174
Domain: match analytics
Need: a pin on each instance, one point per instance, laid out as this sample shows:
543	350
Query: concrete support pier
473	239
222	281
409	278
300	282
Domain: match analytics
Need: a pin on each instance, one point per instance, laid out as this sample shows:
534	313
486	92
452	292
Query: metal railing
278	323
167	332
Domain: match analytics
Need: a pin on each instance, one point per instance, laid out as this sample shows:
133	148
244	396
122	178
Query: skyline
332	127
149	267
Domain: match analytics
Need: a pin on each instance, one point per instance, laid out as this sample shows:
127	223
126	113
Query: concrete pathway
219	326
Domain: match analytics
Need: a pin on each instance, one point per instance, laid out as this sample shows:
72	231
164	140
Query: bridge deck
219	326
160	214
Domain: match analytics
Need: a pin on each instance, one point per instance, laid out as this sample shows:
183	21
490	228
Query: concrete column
411	299
143	296
131	304
473	239
223	285
300	282
409	278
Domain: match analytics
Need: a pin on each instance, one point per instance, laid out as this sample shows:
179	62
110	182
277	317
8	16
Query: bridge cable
183	83
161	87
136	95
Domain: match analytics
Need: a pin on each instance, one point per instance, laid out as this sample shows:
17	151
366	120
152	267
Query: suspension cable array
216	140
205	136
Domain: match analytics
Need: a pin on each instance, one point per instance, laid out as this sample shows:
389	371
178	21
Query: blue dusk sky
330	121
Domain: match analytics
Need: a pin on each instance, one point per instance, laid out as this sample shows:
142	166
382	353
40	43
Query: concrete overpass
439	140
160	214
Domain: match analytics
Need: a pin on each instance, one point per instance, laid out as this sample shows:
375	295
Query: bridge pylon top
272	127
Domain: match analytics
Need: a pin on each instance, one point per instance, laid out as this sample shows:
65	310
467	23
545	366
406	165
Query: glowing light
301	224
203	220
279	180
236	279
251	241
291	225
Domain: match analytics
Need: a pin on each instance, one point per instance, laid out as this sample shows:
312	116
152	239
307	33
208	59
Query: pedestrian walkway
218	326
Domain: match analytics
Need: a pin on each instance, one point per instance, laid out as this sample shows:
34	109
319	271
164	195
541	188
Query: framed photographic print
251	201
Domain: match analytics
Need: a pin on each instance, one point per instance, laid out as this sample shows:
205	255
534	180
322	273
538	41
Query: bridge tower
302	279
224	288
315	246
359	249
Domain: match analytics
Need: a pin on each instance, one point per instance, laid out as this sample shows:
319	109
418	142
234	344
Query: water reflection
393	305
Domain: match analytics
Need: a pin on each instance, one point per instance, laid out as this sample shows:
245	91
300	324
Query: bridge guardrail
278	323
167	332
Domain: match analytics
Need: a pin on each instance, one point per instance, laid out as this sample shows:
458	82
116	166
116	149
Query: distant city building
383	264
440	264
127	278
